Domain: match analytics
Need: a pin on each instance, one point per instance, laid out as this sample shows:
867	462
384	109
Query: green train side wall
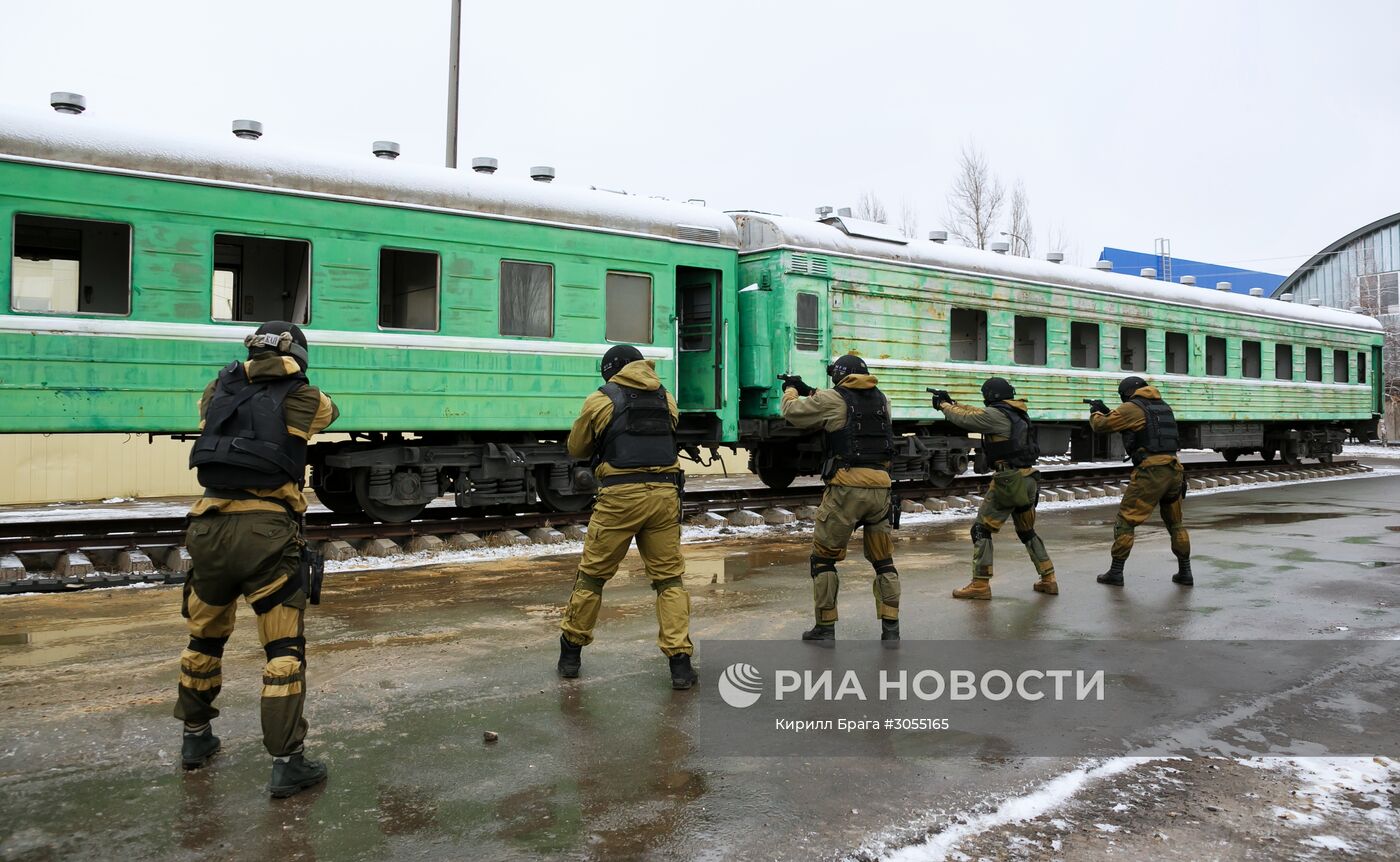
896	317
150	383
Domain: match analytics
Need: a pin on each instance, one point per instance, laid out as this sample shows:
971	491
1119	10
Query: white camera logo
740	685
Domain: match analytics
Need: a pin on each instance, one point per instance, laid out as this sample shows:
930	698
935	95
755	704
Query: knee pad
980	531
884	566
821	565
588	582
665	584
212	647
1026	536
293	647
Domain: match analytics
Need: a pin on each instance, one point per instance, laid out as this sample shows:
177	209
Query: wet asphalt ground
408	668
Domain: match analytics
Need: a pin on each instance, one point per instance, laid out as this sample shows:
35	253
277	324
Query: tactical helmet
1129	386
279	336
616	358
846	366
997	389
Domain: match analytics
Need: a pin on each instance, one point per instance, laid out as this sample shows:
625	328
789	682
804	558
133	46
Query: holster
312	570
829	468
895	510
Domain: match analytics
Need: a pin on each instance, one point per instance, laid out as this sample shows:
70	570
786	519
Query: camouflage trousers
843	508
650	513
1013	494
256	555
1161	485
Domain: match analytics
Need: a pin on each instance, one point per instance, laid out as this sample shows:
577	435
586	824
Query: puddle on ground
1263	519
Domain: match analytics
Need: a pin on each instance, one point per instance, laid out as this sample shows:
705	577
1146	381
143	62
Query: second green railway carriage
1244	374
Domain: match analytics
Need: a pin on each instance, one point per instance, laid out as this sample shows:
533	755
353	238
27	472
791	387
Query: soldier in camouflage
859	441
1010	450
1150	439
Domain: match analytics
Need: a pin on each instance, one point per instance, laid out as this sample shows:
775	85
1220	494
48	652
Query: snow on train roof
759	231
88	141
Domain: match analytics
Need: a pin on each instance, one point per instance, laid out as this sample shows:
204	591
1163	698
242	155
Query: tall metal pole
452	74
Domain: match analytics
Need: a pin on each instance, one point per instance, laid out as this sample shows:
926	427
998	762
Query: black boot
889	630
1114	576
198	749
570	658
1183	572
820	632
683	676
294	774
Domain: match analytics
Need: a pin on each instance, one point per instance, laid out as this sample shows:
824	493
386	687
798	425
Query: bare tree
908	219
871	208
976	199
1019	229
1063	241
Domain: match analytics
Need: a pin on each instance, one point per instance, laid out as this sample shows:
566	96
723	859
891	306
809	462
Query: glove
796	383
941	397
1097	406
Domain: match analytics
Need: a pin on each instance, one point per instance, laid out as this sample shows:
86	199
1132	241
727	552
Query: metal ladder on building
1164	257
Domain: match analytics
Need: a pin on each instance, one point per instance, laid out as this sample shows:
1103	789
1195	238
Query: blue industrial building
1206	274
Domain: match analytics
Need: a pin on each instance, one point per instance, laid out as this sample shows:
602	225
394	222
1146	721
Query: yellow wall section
51	468
54	468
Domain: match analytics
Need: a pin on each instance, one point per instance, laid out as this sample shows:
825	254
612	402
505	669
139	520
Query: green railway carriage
457	318
1244	374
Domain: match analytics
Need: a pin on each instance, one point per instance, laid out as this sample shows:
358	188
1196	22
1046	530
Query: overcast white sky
1251	133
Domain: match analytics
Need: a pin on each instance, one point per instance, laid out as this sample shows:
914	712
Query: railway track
63	555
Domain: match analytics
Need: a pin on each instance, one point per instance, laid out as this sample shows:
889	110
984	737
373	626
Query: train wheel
1289	456
388	513
341	501
1268	455
1231	455
1325	459
776	478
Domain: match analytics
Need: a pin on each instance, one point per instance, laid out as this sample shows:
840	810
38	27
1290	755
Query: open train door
699	337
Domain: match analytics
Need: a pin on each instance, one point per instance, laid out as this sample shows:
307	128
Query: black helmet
846	366
1129	386
617	357
279	336
997	389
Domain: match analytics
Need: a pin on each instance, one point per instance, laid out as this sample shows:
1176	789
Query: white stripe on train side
122	328
1011	372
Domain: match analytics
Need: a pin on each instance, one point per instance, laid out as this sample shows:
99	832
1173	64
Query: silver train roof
88	141
853	238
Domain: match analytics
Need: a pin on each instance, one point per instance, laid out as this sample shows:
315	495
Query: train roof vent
1315	302
1147	272
938	236
248	130
385	149
1224	286
1055	256
68	103
1000	247
865	229
1256	291
1103	265
695	233
806	264
1356	309
1286	297
1188	279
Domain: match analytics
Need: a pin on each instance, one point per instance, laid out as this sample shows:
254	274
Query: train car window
1178	353
257	279
697	319
1215	356
70	266
1030	340
1360	367
1084	345
408	289
1283	362
1251	359
628	308
1132	346
1313	363
808	334
967	335
1341	367
527	299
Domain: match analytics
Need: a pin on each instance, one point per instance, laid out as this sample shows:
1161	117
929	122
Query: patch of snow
1121	807
1368	450
1346	788
1017	809
1107	827
1329	842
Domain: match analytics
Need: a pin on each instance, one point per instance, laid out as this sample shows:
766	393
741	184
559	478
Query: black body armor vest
245	443
1158	437
640	433
867	440
1022	448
